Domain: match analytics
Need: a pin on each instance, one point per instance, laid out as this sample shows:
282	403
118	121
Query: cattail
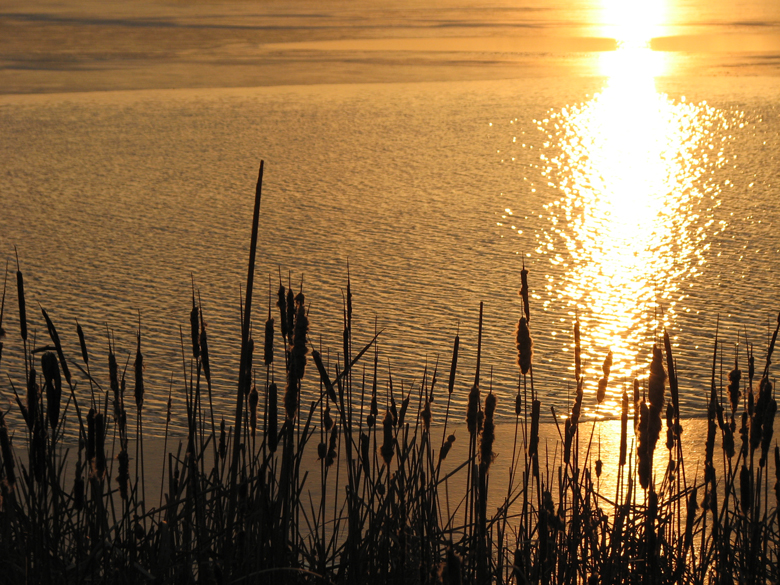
488	432
82	343
364	454
426	415
606	367
518	404
113	372
254	398
567	438
393	408
324	376
55	338
636	404
656	382
777	475
100	453
22	309
290	315
328	420
524	293
194	329
386	449
299	349
767	429
268	344
735	376
451	571
53	387
123	477
445	448
533	445
332	447
204	350
8	457
322	450
601	394
525	346
454	365
623	429
471	411
291	397
223	440
728	439
709	447
404	407
138	368
644	448
669	427
272	431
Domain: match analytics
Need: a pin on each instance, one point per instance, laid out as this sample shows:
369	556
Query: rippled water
115	200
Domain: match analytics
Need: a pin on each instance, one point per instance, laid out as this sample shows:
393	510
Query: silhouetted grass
238	505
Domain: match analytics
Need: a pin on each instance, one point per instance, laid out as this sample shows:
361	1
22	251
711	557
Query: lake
636	186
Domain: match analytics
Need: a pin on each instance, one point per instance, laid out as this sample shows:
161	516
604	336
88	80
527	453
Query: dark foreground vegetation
238	506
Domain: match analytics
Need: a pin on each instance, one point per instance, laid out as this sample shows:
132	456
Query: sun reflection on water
636	212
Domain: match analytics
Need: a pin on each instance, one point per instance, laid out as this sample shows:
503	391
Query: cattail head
53	386
426	415
623	429
123	477
601	393
656	382
82	343
268	344
7	453
644	446
22	306
113	373
365	460
451	570
488	432
445	448
194	329
525	346
281	302
735	376
454	365
253	400
204	350
533	445
290	315
524	293
327	419
471	411
291	397
387	448
301	328
331	457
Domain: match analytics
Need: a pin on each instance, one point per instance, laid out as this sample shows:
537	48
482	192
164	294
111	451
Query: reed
382	504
